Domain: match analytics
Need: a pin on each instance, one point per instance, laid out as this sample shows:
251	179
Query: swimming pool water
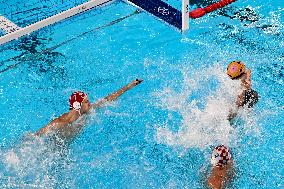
161	133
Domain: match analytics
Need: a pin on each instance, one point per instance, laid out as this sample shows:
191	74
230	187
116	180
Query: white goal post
53	19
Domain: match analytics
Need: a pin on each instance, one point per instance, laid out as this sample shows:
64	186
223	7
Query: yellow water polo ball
235	69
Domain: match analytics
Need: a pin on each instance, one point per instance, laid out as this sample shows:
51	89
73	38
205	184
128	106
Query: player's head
79	101
220	156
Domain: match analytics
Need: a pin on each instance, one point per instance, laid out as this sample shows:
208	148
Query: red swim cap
76	99
220	156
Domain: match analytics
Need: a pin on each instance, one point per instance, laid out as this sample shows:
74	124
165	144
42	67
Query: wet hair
250	98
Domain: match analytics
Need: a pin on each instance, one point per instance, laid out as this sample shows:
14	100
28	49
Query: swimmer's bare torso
69	124
220	176
245	86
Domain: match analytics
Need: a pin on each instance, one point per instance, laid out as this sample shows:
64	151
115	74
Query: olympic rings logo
163	11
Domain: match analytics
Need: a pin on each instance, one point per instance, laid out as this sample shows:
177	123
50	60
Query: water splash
33	163
203	102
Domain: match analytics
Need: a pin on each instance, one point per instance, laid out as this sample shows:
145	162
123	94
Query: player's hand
134	83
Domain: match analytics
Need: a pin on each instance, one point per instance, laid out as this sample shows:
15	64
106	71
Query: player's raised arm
113	96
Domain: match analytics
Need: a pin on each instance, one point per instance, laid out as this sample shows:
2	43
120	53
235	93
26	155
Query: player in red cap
222	167
79	105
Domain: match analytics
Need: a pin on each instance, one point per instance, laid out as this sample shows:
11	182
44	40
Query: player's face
86	105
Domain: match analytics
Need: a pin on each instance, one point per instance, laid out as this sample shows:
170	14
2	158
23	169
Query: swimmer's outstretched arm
118	93
67	118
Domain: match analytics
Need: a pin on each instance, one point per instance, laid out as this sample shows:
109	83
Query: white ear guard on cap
76	105
215	158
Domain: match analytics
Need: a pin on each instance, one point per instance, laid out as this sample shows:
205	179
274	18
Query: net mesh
24	13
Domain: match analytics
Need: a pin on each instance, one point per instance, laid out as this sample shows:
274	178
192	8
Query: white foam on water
12	159
204	126
42	162
33	163
272	22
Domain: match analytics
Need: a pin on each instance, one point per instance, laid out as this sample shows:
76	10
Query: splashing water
204	114
33	163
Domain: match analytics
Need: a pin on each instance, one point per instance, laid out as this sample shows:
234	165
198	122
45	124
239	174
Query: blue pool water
161	133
